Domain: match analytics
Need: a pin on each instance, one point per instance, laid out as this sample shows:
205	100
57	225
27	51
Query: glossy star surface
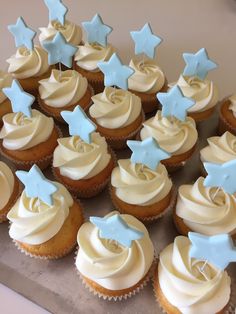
59	50
57	10
24	36
147	152
218	250
198	64
36	185
221	175
115	228
97	31
145	41
115	73
174	103
79	124
20	100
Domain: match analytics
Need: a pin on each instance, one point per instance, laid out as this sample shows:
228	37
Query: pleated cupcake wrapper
3	217
29	164
48	113
227	127
126	296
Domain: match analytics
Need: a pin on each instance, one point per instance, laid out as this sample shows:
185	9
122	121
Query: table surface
185	26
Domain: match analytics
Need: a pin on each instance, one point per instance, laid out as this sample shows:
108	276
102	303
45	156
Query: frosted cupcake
5	104
9	191
114	265
45	219
227	115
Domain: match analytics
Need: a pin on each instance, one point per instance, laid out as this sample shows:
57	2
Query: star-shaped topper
20	100
24	36
218	250
145	41
116	74
174	103
79	124
147	152
115	228
221	175
97	31
36	185
198	64
57	10
59	50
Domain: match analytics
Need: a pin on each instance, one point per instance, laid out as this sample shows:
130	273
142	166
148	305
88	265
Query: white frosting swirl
220	149
174	136
203	92
206	210
188	288
115	108
20	132
71	32
5	81
138	185
88	56
232	105
6	183
63	88
147	77
26	63
34	222
110	264
78	160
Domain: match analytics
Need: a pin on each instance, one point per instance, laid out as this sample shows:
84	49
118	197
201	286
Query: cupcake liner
225	126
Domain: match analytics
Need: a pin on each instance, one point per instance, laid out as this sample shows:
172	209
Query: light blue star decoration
221	175
59	50
147	152
115	228
174	103
57	10
116	74
145	41
36	185
23	35
97	31
79	124
218	250
198	64
20	100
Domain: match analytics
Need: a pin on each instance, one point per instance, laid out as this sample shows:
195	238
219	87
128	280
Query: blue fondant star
221	175
218	250
145	41
115	228
20	100
79	124
116	74
23	35
97	31
59	50
147	152
174	103
36	185
57	10
198	64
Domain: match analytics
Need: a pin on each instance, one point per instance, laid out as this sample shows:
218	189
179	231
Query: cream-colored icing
115	108
232	105
63	88
77	159
20	132
5	81
6	184
110	264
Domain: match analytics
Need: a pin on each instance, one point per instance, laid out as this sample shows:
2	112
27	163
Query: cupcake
95	50
184	284
115	255
64	91
5	104
206	210
9	191
227	115
27	137
45	219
